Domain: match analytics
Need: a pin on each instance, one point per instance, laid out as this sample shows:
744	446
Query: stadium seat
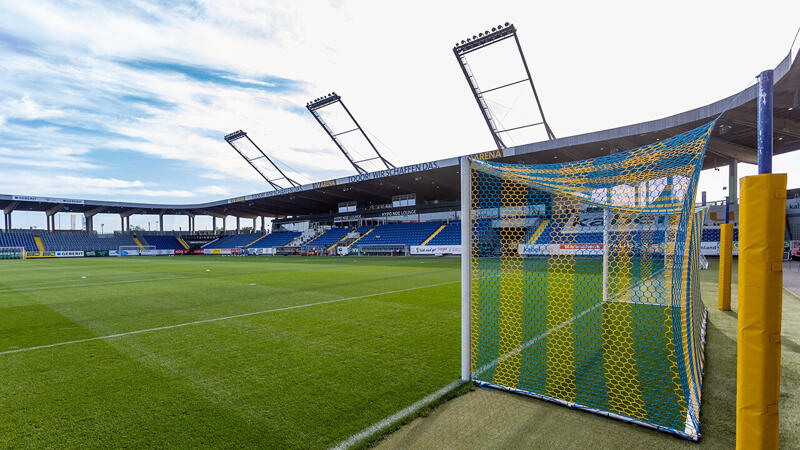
161	242
450	235
18	239
82	240
244	240
399	234
329	237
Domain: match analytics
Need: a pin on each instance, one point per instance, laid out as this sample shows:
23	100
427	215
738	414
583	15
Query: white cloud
392	65
214	190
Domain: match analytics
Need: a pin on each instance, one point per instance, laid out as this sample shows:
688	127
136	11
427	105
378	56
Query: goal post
580	290
466	267
12	252
135	250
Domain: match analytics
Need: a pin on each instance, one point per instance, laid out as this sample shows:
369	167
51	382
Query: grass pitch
289	375
290	352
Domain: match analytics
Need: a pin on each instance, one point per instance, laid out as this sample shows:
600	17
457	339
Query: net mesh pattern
585	287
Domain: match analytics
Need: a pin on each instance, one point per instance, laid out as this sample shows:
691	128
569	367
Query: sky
130	100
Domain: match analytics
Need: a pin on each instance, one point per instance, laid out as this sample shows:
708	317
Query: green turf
306	377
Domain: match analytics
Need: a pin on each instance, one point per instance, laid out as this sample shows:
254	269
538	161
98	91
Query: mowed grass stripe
307	377
217	319
39	318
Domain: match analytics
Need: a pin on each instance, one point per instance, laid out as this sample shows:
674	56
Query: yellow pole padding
762	212
725	264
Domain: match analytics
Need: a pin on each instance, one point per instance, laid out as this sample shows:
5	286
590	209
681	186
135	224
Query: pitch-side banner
142	252
561	249
435	249
712	248
222	251
261	251
593	223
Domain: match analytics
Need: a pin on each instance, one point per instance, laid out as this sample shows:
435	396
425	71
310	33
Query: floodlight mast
236	135
330	99
498	33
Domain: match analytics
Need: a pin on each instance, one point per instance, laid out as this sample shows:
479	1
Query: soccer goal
135	250
580	282
12	252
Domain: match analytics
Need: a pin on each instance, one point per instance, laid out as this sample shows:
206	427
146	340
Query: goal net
12	252
583	281
135	250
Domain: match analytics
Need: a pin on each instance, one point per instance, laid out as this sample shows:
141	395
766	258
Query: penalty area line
371	430
218	319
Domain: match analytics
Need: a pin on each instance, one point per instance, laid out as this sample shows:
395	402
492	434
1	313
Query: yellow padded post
725	264
762	212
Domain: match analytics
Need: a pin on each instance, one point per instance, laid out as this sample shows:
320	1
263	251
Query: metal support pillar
237	225
121	222
161	222
703	198
765	86
214	224
262	225
733	181
762	217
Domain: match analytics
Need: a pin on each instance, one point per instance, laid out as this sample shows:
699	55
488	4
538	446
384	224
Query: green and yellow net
584	285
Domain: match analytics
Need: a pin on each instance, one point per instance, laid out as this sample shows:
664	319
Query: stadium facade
429	191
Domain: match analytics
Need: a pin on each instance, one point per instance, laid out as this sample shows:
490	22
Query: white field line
217	319
366	433
534	340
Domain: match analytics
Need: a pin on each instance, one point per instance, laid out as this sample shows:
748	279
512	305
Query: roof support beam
54	210
730	150
11	206
129	212
93	212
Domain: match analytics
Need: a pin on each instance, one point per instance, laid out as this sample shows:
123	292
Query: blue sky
129	100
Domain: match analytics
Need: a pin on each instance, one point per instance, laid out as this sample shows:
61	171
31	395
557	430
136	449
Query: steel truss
482	40
329	100
235	137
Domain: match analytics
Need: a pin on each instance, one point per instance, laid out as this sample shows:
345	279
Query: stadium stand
400	234
161	242
18	239
261	240
329	237
408	234
450	235
712	234
234	240
275	239
81	240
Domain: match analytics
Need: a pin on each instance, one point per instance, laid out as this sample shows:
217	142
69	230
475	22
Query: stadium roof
734	138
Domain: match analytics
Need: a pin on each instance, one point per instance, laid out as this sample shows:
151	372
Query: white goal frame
466	269
18	250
